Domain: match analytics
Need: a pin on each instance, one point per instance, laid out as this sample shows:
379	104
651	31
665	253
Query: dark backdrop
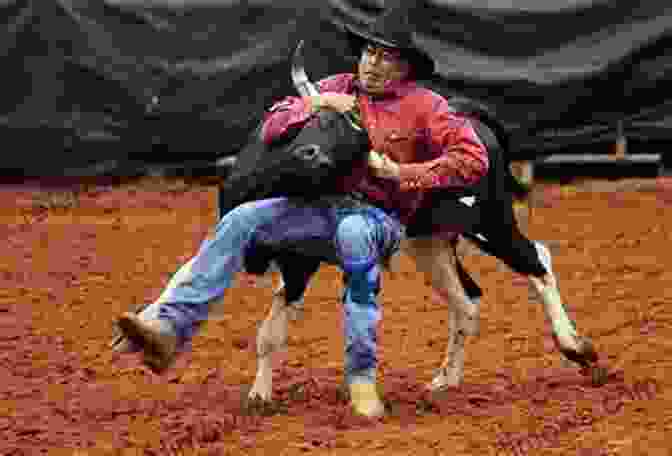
93	86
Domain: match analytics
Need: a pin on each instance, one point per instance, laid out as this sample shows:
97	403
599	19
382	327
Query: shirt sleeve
293	112
463	158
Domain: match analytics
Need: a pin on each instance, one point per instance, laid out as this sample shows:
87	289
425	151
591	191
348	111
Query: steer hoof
256	406
261	391
585	355
447	377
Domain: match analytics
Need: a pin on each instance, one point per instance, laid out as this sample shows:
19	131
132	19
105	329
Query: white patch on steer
468	200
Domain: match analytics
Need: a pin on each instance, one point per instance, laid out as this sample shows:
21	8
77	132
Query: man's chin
373	88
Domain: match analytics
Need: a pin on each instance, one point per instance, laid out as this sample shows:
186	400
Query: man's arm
463	160
293	112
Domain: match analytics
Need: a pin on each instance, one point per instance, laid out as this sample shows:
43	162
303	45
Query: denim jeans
355	235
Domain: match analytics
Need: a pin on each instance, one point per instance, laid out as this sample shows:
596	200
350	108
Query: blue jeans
355	235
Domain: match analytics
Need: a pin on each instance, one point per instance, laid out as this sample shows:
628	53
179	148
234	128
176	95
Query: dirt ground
71	263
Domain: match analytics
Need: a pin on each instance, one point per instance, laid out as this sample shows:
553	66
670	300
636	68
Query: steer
488	209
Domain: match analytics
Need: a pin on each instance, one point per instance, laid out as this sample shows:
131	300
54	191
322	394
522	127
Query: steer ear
299	77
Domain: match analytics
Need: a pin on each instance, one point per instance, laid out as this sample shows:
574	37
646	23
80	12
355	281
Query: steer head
331	142
306	163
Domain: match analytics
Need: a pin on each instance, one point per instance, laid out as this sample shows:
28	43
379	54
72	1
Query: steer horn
307	88
302	85
299	77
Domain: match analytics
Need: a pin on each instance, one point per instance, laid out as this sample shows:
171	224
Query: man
405	124
418	144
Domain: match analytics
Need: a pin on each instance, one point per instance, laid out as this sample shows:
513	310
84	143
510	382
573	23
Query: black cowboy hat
392	30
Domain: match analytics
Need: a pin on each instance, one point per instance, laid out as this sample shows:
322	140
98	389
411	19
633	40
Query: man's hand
382	166
340	102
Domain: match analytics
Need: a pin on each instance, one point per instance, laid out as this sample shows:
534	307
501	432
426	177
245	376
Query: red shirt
415	127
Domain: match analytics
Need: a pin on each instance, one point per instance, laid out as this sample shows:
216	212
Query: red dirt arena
72	262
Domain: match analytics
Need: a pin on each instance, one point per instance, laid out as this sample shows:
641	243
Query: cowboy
418	145
421	151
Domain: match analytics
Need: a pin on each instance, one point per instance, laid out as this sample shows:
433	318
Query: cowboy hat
392	30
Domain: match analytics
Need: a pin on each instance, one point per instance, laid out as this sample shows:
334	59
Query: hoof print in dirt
298	392
425	406
430	401
444	392
390	409
349	419
342	394
599	375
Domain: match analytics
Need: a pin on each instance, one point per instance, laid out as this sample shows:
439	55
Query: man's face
378	66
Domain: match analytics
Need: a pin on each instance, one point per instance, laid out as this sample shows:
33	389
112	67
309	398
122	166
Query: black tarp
105	82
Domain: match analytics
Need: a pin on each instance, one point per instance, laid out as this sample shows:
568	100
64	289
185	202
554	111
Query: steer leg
533	259
287	305
436	259
574	347
271	337
460	326
451	371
